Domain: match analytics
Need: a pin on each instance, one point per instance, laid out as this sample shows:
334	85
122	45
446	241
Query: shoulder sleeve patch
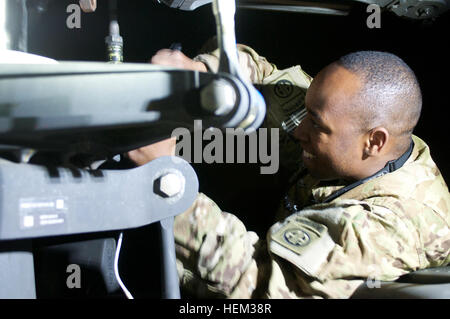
287	89
302	242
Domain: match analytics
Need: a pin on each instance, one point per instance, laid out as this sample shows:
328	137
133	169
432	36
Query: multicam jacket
384	228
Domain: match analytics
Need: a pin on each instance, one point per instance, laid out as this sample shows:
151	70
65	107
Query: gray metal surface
105	109
432	283
16	270
170	282
298	9
37	202
224	11
95	257
395	290
187	5
412	9
428	276
13	25
420	9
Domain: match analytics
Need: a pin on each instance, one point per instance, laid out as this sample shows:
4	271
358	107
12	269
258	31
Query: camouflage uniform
380	230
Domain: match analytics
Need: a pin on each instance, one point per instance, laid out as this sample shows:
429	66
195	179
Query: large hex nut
169	185
218	97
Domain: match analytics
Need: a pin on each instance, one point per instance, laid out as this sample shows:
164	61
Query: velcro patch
302	242
286	88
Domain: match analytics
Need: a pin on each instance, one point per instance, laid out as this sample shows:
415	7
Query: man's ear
376	141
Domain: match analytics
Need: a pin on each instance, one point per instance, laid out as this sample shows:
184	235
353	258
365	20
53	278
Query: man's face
329	135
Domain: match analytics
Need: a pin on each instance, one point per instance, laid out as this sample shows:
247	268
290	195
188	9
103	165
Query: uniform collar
326	192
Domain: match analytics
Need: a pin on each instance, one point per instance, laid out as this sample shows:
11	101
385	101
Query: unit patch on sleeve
302	242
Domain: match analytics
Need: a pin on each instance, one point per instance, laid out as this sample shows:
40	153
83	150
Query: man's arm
260	71
326	251
177	59
251	63
255	67
148	153
174	58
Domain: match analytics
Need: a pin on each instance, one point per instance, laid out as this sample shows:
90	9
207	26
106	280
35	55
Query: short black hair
391	95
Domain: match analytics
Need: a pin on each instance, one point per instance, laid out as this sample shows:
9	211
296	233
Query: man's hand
177	59
150	152
165	147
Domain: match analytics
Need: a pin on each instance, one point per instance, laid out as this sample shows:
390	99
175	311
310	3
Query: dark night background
285	39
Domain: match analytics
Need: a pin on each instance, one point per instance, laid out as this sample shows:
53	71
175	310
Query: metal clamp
224	11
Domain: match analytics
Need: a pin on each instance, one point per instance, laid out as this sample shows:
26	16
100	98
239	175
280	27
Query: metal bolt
424	12
169	185
218	97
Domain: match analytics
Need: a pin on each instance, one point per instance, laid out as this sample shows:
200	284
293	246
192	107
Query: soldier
367	200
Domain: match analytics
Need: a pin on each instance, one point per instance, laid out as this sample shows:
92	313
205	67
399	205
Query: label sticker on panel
42	212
